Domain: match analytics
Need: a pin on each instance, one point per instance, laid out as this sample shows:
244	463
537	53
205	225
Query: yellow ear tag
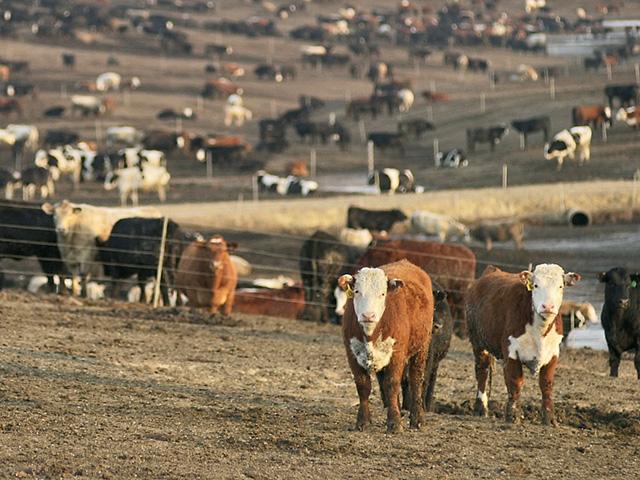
530	285
349	291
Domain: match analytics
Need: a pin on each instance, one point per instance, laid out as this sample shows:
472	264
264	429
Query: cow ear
394	284
571	278
525	277
47	208
603	277
346	281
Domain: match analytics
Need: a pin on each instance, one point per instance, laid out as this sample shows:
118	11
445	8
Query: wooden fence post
163	241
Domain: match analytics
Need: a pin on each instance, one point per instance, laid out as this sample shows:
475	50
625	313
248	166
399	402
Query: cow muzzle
623	303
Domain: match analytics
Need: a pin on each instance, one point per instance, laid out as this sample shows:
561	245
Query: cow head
546	284
618	286
369	289
64	215
398	215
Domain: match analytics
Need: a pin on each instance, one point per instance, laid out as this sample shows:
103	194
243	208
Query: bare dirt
101	390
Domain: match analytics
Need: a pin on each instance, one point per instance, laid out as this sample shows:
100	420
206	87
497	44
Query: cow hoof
416	420
549	419
479	409
362	425
512	413
394	427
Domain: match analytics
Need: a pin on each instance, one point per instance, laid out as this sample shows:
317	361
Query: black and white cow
374	220
36	179
527	126
392	180
290	185
9	181
454	158
491	135
621	315
569	142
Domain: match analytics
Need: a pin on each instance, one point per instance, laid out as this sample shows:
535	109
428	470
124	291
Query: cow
310	102
514	317
273	135
323	132
78	226
630	116
597	116
444	226
392	180
220	88
621	316
36	179
61	161
218	50
68	60
576	315
164	140
125	135
356	237
452	266
527	126
457	60
206	275
108	81
289	185
26	231
89	105
568	143
491	135
384	140
322	259
386	326
367	105
236	115
297	168
9	182
130	180
286	302
415	126
478	65
627	95
56	111
499	231
133	249
170	114
435	97
374	220
53	138
454	158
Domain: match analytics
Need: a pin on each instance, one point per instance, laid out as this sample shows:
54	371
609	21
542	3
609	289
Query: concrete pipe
578	218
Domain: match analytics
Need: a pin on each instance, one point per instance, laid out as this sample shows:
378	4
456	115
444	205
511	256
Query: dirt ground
112	391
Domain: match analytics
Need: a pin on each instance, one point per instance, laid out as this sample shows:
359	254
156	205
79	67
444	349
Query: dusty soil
112	391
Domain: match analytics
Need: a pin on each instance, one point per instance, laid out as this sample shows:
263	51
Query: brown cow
593	115
514	317
433	97
220	88
499	231
5	72
297	168
452	266
287	302
10	105
206	275
387	325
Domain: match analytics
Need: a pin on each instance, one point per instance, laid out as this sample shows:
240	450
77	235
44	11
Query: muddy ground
101	390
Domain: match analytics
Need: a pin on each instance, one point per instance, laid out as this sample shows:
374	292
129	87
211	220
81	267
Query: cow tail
492	367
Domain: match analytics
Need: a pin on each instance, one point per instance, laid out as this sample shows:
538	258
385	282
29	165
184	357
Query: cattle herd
399	283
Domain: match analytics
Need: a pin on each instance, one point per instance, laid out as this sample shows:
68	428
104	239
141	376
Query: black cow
626	94
415	126
621	315
54	112
374	220
322	260
68	60
391	180
491	135
27	231
310	102
438	349
54	138
218	50
133	248
478	65
384	140
163	140
531	125
323	132
295	115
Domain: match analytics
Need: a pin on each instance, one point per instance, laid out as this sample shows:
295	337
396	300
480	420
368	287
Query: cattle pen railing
271	262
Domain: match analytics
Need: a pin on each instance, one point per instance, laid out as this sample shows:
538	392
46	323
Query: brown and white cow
387	324
206	275
514	317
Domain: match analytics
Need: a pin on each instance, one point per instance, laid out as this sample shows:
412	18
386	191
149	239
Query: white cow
356	237
406	98
78	226
26	134
129	181
628	115
445	227
533	5
108	81
123	135
236	115
569	142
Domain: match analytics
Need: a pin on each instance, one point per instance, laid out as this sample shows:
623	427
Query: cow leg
430	376
514	378
363	386
523	141
228	305
380	377
488	244
134	198
483	376
614	361
636	359
392	379
547	374
162	195
416	385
